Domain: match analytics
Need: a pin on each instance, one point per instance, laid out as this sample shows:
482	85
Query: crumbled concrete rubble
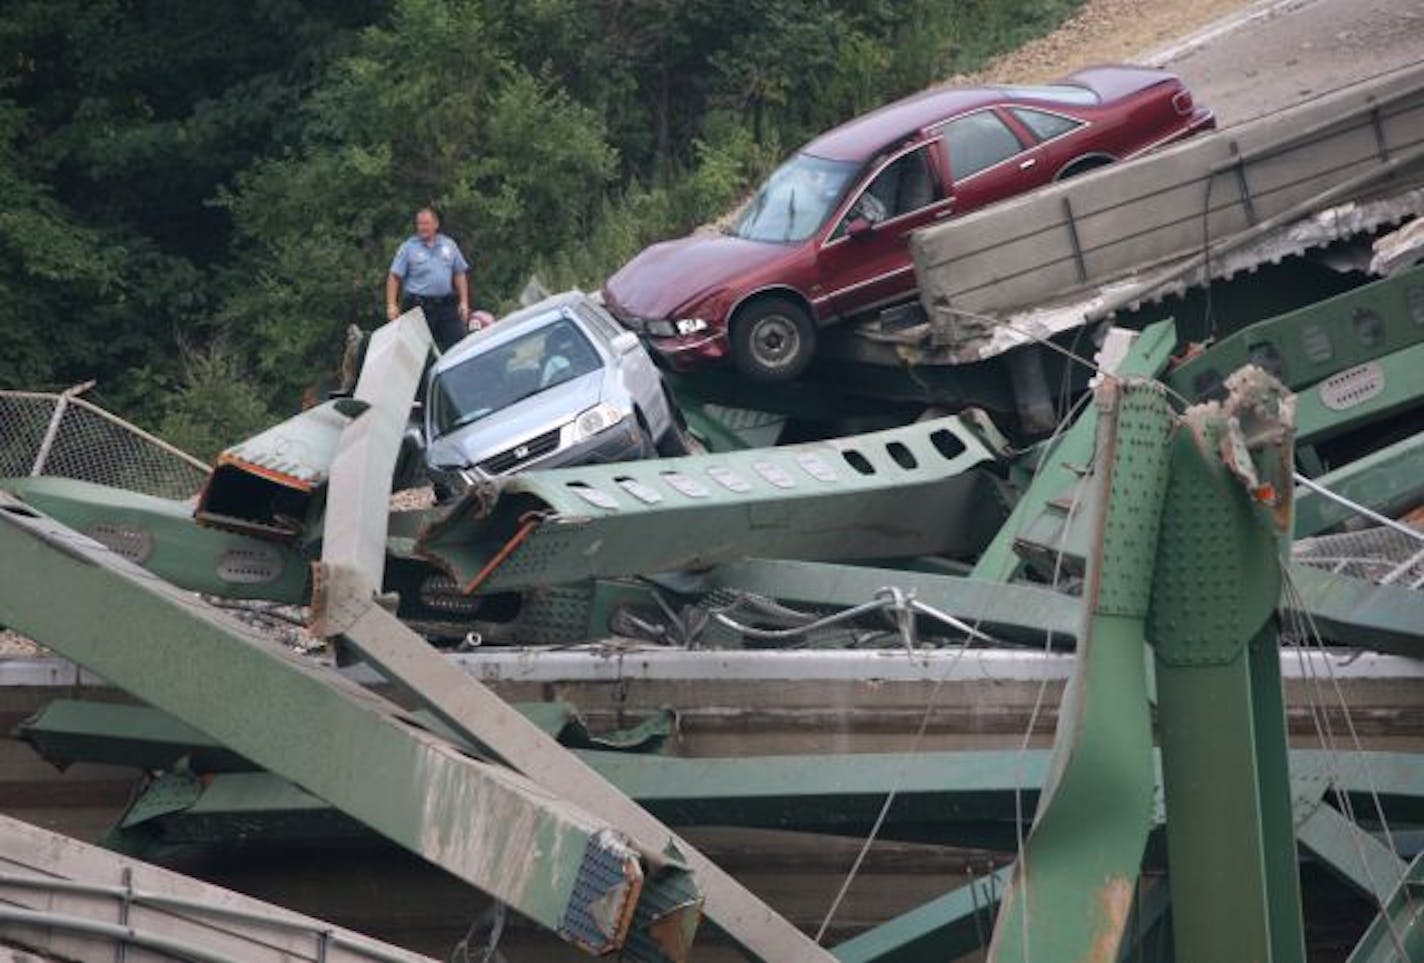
14	644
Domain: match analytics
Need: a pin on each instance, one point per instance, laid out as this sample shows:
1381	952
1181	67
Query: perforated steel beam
911	491
1309	345
160	535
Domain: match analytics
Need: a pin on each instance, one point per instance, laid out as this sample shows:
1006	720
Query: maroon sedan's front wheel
773	339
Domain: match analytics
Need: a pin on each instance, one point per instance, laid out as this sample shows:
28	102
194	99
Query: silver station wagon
557	383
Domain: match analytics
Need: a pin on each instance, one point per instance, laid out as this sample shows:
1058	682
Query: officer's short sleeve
398	263
459	265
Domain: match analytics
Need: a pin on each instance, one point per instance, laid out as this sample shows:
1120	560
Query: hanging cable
1310	634
1359	509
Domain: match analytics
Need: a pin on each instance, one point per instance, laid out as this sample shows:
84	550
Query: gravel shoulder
1102	31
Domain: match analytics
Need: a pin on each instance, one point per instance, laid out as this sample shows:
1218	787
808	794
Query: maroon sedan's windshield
795	200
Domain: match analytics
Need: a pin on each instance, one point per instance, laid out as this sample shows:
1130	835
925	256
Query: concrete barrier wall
1161	208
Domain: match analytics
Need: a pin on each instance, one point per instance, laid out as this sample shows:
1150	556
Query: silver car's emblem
521	452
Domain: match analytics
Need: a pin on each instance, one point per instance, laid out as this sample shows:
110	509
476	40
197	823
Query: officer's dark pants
443	316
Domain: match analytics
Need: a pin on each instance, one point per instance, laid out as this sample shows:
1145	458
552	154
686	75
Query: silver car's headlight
598	418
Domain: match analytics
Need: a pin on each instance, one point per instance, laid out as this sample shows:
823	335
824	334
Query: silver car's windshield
795	200
510	372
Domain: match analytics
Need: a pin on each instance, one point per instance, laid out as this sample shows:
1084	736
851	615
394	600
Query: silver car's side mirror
624	341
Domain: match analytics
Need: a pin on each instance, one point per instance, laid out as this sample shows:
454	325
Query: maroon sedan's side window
978	141
1045	126
903	187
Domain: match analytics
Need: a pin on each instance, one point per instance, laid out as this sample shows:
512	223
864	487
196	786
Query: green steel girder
160	535
867	496
1309	345
824	793
344	607
1388	481
831	798
478	821
1074	883
1397	933
1061	463
67	731
1362	860
1343	402
1354	612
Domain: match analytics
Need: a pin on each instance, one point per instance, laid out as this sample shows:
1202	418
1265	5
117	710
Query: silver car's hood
519	423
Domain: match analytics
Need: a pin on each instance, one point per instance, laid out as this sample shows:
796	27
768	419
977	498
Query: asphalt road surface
1277	53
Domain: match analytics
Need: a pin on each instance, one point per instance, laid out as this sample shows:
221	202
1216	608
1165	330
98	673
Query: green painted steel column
1075	880
1231	847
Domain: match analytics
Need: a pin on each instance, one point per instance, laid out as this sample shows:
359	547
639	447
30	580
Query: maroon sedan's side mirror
859	227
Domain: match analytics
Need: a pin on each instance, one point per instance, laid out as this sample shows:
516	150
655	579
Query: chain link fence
1385	556
64	435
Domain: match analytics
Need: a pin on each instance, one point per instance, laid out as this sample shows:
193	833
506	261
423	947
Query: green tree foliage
239	172
217	403
426	110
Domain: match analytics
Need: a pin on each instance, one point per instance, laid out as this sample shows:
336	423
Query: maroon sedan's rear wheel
773	339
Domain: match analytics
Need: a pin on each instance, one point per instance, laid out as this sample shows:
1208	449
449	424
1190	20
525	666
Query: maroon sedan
824	239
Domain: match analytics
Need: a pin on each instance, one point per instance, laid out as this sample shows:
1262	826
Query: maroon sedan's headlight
678	328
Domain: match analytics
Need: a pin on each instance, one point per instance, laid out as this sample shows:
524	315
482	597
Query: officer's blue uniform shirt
426	271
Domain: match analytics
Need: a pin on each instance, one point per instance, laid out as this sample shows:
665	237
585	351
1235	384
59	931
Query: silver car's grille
512	458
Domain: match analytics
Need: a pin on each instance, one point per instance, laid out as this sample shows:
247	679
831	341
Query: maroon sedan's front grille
514	457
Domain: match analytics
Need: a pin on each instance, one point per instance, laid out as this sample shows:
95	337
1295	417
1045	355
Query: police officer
435	277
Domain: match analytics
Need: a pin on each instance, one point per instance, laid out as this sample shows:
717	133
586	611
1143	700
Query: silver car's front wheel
773	340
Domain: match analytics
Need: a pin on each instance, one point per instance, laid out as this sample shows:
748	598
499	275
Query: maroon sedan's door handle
945	211
1025	165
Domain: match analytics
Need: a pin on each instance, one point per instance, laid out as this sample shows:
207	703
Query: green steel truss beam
946	928
1388	481
1354	612
344	607
480	822
1397	933
822	793
1309	345
1059	466
160	535
952	797
1362	860
910	491
1354	397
